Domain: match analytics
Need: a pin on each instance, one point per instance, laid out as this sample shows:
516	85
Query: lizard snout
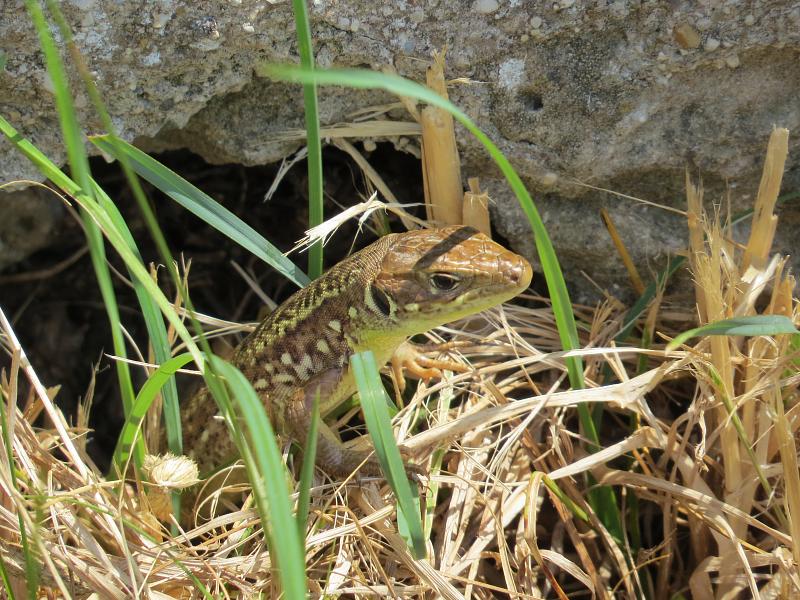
517	270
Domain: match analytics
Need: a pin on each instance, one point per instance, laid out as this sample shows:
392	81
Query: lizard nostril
520	271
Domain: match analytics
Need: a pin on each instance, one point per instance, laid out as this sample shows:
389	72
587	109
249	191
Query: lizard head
431	277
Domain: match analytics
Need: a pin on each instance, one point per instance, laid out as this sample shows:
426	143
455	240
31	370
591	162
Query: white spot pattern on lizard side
305	367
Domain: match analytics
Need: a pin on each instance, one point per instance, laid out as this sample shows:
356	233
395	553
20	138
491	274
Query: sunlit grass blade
147	394
307	473
313	142
79	165
202	205
376	414
266	471
752	325
154	323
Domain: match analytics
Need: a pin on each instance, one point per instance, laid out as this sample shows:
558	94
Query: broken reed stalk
476	208
441	164
764	219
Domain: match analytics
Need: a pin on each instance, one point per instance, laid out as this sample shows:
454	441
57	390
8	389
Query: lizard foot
411	357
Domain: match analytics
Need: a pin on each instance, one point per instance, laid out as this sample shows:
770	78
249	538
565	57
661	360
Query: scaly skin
402	285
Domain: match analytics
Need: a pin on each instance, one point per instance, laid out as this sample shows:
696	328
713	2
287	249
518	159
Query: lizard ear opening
381	300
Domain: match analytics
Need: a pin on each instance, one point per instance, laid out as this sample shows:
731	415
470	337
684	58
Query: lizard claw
411	357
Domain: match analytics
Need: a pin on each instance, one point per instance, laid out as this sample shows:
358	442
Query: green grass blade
576	510
40	161
202	205
154	323
313	142
753	325
307	474
266	471
147	394
376	414
3	571
641	304
73	140
79	165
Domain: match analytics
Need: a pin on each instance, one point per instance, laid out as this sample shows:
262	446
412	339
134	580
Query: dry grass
699	446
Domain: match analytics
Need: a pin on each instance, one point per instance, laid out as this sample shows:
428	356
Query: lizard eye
444	282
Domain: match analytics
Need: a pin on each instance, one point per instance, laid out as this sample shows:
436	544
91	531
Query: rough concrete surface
620	95
27	220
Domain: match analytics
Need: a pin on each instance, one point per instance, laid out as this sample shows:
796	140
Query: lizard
402	285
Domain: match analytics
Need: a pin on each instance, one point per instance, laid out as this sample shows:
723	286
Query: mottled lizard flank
402	285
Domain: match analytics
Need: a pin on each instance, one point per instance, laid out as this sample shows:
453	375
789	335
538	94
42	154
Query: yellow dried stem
700	582
782	301
764	221
426	189
709	276
441	165
435	74
756	418
694	218
622	250
476	208
788	453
